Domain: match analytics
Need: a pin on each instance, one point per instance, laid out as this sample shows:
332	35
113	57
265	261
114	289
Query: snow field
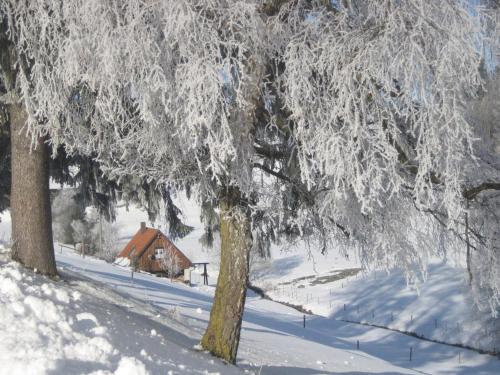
273	340
440	308
70	327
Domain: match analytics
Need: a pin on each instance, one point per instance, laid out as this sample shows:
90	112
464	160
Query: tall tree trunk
30	198
223	333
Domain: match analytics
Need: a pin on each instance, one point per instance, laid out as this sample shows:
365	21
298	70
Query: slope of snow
441	308
166	320
273	339
73	327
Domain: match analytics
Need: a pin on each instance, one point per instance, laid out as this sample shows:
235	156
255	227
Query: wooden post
304	321
100	231
357	344
205	274
411	352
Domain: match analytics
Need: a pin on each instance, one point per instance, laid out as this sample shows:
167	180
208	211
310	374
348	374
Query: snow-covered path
273	340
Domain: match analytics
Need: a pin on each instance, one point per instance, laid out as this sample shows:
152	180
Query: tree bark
30	198
223	333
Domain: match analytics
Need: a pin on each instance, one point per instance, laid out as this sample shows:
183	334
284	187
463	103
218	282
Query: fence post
304	321
411	352
357	344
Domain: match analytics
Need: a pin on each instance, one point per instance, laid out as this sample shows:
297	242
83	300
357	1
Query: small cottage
151	251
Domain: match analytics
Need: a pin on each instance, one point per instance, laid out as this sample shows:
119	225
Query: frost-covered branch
358	109
485	186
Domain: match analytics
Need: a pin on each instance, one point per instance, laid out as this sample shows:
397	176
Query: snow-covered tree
481	220
297	118
81	234
106	240
29	194
65	210
170	263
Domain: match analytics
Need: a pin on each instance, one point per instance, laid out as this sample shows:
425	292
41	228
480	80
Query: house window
159	253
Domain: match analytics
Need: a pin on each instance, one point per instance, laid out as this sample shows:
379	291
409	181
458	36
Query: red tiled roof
140	242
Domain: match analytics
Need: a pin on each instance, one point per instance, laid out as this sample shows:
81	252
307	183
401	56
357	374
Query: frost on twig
341	124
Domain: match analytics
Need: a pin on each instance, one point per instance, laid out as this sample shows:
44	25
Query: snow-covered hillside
440	308
152	325
77	327
99	321
273	338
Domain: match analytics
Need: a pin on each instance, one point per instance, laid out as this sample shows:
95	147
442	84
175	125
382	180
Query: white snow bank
39	322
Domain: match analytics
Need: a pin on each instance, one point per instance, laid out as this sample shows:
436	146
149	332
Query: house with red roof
149	248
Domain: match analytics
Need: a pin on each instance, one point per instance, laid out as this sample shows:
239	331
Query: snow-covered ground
74	326
441	308
273	339
152	325
5	227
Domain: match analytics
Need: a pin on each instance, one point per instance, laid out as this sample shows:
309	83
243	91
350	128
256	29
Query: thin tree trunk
30	198
223	333
467	241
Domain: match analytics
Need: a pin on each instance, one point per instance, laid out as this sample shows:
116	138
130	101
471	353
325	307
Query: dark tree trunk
467	241
223	333
30	198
